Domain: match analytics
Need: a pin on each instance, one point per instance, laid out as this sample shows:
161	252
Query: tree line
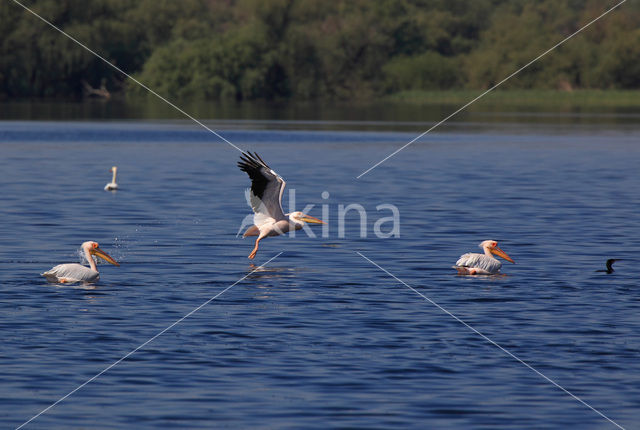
310	49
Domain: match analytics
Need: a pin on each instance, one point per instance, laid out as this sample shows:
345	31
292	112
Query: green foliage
425	71
306	49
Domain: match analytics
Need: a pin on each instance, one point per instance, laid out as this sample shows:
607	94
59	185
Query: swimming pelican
74	272
482	264
112	185
266	201
609	265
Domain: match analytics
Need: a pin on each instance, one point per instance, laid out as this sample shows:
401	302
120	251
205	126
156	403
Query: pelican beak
312	220
106	257
499	252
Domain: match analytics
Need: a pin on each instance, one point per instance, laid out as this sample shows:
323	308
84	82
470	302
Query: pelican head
300	217
94	249
114	169
491	246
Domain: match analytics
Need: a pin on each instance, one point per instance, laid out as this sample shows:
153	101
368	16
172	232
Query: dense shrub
254	49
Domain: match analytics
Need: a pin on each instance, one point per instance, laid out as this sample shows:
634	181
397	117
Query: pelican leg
255	249
470	271
252	231
462	270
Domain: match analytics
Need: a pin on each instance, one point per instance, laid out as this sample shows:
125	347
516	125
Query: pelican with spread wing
265	198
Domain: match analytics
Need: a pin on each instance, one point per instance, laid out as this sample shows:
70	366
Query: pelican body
482	264
112	186
265	198
74	272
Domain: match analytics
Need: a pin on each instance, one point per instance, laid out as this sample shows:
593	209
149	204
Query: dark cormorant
609	265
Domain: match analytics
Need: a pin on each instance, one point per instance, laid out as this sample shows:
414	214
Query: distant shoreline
498	97
548	99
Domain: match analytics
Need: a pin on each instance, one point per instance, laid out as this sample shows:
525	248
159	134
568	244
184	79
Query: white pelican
266	201
112	185
74	272
609	265
482	264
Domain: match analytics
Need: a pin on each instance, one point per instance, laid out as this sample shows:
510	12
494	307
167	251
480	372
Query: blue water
319	337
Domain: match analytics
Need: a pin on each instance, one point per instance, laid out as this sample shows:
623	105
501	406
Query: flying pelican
609	265
111	186
482	264
73	272
266	201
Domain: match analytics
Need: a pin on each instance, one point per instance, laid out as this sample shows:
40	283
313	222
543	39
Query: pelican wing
267	187
71	272
479	261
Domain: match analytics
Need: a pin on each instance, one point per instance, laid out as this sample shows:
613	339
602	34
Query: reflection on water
74	285
271	272
316	115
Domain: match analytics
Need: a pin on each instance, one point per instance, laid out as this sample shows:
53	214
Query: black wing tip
247	162
252	159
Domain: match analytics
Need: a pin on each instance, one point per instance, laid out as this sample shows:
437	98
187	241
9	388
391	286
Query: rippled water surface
320	337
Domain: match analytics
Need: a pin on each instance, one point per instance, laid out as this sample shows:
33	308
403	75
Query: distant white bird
482	264
73	272
111	186
266	201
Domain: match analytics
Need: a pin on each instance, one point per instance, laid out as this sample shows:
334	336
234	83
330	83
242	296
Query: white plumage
482	264
265	198
71	272
112	186
74	272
